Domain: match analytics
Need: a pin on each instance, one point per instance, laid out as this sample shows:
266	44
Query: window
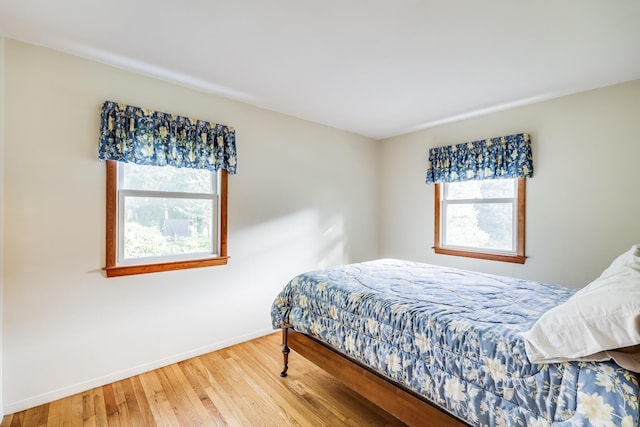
162	218
481	219
166	200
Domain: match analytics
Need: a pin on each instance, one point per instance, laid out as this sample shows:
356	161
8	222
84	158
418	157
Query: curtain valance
146	137
500	157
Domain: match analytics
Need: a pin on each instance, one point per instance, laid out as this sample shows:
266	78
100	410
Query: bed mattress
452	336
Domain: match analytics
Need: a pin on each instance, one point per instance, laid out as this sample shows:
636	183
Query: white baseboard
70	390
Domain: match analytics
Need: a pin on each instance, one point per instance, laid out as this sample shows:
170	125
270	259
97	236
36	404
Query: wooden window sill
517	259
128	270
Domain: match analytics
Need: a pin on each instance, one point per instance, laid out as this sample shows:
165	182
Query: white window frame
214	196
515	255
116	265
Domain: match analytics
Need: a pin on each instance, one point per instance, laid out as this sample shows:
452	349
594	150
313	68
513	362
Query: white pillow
629	259
599	319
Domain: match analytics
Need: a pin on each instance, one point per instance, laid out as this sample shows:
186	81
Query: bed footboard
400	402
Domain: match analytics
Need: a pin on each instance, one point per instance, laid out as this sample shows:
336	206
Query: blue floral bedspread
452	336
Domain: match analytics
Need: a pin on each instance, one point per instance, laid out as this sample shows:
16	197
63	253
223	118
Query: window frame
519	257
113	269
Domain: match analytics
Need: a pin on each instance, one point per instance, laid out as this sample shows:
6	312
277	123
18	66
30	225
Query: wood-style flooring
235	386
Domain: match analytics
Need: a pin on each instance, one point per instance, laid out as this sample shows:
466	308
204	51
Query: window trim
518	258
112	268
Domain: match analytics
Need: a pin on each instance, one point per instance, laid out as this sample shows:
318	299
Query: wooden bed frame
397	400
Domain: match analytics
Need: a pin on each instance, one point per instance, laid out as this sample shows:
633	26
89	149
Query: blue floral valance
501	157
146	137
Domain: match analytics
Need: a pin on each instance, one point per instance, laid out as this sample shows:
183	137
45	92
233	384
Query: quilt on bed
452	336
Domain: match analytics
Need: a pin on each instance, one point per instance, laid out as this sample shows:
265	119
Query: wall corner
2	113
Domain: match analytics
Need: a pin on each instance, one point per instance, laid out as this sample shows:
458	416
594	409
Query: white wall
304	198
582	203
1	204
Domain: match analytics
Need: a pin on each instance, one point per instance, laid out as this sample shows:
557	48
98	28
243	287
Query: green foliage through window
167	211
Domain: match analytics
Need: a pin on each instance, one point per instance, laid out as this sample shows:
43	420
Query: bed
439	346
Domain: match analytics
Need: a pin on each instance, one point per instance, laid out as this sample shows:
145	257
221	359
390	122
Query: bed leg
285	352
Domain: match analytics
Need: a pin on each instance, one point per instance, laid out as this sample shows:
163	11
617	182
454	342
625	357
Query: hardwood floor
235	386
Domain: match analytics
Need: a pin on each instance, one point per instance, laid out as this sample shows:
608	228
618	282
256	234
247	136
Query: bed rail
397	400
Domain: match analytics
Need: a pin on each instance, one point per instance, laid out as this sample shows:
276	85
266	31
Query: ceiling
374	67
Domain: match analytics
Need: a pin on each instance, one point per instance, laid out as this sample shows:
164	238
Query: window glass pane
486	189
462	190
166	178
167	226
480	225
498	188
